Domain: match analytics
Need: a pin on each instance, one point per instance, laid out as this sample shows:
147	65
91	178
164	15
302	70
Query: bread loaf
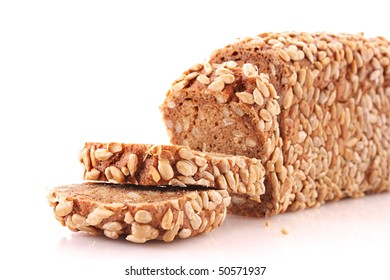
161	165
315	108
140	214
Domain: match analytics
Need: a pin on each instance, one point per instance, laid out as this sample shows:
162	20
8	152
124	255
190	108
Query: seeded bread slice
141	214
160	165
313	107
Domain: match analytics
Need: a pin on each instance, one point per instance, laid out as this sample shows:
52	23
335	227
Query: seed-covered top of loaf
298	59
297	46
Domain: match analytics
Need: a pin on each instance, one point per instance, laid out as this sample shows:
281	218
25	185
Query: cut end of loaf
232	109
222	129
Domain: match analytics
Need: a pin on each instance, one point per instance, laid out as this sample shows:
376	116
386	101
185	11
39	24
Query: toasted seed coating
151	214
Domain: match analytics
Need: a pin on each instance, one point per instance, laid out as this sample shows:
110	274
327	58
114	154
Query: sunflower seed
165	169
113	147
184	233
222	71
187	180
191	76
97	215
132	164
92	175
231	64
195	222
257	97
103	154
143	216
86	159
205	200
227	78
185	153
245	97
231	181
117	174
128	218
112	226
263	88
215	197
92	155
217	85
284	55
166	222
153	173
64	207
79	220
176	182
203	79
135	239
288	98
186	167
265	115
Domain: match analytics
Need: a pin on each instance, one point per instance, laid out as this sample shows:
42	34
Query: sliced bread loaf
315	108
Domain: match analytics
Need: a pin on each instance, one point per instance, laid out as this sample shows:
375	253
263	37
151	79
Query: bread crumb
284	231
266	223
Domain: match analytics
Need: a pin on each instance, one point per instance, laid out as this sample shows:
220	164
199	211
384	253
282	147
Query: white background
76	71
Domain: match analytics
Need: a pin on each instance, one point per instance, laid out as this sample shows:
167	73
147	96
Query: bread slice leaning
140	214
315	108
160	165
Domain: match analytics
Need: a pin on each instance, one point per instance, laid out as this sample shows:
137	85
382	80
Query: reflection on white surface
351	225
347	238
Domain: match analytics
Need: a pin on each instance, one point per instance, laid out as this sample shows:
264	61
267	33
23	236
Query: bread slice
160	165
141	214
315	108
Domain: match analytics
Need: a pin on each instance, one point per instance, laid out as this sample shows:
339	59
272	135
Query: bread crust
160	165
140	214
333	127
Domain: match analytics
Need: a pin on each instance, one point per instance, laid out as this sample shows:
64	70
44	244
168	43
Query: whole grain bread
160	165
141	214
315	108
